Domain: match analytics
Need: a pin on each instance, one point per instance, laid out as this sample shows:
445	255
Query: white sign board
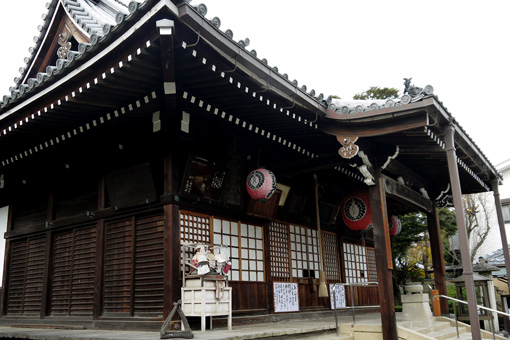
339	294
285	297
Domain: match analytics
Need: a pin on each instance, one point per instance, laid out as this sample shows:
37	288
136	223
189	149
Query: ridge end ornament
65	44
348	149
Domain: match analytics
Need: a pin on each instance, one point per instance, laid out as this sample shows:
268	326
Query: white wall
504	190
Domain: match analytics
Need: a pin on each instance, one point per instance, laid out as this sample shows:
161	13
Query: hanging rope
323	290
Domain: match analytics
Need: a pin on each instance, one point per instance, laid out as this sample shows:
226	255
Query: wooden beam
310	165
383	257
398	169
406	195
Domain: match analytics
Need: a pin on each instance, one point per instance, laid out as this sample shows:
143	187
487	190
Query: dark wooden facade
95	159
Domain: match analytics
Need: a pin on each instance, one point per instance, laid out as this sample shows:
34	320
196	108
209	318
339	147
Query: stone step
447	333
436	326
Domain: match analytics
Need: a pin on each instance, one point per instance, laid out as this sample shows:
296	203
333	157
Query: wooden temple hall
130	135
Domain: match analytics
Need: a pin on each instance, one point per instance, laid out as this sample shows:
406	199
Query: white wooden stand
199	299
199	293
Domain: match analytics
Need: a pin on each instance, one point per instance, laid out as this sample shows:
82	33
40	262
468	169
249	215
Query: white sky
341	47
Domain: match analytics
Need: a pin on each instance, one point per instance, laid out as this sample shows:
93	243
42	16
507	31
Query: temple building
133	129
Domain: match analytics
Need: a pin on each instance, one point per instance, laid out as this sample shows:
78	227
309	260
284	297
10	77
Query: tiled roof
96	18
496	257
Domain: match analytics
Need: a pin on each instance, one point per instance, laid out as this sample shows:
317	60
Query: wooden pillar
501	223
436	246
166	123
97	308
45	289
267	260
6	264
383	257
461	227
48	255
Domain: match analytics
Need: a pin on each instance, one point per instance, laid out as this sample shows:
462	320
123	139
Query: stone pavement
256	331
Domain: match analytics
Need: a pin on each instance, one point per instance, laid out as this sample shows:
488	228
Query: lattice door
331	257
372	266
279	251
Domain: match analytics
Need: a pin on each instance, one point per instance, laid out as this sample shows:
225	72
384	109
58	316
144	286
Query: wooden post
436	247
97	307
45	290
461	227
172	286
383	257
167	122
48	255
436	303
99	268
6	264
501	223
267	269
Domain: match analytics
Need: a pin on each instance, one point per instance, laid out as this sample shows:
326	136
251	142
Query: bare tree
478	214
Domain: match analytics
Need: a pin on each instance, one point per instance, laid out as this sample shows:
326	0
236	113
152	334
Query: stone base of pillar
416	309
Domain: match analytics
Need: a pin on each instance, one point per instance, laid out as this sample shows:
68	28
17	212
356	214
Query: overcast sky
343	47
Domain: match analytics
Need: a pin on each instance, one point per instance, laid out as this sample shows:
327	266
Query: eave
417	128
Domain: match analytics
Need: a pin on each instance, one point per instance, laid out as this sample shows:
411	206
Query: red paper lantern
395	226
356	211
261	184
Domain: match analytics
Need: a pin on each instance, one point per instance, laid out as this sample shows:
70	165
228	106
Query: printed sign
339	294
285	297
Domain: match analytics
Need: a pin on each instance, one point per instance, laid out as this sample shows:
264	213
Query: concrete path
257	331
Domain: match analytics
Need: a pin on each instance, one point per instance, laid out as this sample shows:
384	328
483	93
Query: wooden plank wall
132	250
133	283
26	277
74	260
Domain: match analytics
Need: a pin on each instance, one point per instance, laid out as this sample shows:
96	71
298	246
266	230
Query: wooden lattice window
73	272
279	251
26	277
195	228
252	252
246	243
355	260
331	257
372	266
304	252
226	233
